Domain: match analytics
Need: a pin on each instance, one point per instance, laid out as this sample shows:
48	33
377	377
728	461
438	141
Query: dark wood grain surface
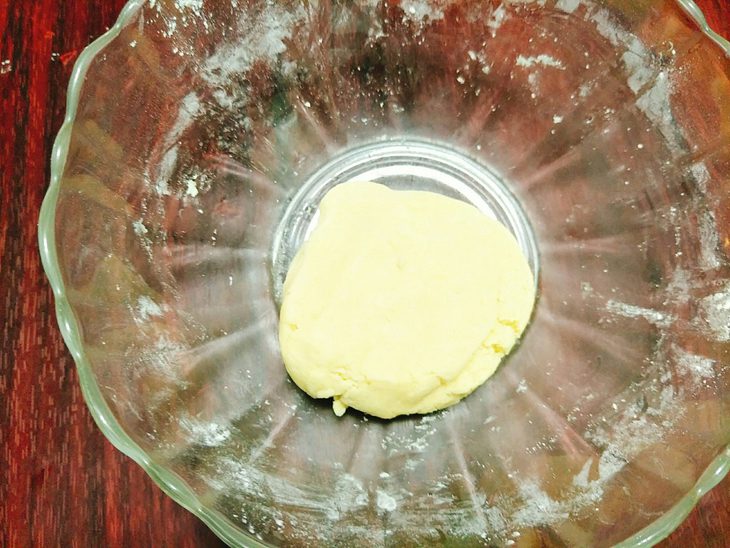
61	482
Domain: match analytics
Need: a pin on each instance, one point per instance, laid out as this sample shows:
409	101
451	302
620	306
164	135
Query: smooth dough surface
401	302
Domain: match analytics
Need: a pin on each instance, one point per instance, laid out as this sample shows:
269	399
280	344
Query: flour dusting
263	39
542	59
139	228
496	19
714	313
194	5
709	242
701	175
161	359
651	83
386	502
166	170
189	109
205	433
147	308
655	104
698	367
418	10
568	6
678	289
581	478
538	508
659	319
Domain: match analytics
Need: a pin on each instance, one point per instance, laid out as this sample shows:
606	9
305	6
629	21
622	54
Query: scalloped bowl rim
168	481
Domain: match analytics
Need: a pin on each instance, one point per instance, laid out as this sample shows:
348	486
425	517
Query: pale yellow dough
401	302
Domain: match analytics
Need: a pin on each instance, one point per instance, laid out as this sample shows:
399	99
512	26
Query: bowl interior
598	131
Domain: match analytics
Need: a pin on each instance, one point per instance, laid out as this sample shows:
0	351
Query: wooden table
61	482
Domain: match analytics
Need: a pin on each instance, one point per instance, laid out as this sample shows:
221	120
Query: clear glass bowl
200	136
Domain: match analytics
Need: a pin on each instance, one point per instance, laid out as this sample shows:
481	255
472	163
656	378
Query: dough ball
401	302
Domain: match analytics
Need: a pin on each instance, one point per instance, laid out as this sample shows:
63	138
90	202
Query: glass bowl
200	137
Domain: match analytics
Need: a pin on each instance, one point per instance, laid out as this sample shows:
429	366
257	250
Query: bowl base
401	165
